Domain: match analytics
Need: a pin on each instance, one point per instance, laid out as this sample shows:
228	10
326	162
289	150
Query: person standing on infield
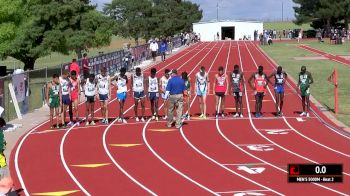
163	84
138	87
202	88
260	85
280	80
154	49
237	87
153	93
305	79
104	93
176	88
220	87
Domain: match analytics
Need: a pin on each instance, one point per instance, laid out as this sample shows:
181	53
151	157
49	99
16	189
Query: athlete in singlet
305	79
90	94
153	93
74	94
202	86
163	84
53	94
104	92
220	87
122	89
237	87
137	83
260	85
65	99
187	97
280	79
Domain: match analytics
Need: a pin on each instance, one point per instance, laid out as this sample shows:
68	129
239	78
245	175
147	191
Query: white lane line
114	160
213	160
281	147
159	157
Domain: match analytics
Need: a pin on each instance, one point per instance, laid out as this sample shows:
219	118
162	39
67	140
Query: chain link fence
35	80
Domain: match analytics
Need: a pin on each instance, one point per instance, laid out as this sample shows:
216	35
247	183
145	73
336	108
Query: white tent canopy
227	29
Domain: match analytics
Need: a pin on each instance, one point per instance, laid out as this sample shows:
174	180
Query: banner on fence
19	86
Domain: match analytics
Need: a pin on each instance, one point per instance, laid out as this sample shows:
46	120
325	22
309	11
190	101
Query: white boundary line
213	160
18	172
296	131
159	157
113	159
281	147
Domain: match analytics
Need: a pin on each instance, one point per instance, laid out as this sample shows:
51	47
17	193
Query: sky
262	10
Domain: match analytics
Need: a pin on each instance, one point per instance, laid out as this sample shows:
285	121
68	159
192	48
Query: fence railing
37	79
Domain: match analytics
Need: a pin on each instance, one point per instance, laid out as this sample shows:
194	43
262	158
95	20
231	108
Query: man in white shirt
154	49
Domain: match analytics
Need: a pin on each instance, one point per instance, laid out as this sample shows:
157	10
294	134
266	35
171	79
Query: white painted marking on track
216	162
243	191
300	120
320	185
165	162
251	170
113	159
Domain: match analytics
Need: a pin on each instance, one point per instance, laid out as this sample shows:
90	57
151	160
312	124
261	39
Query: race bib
260	83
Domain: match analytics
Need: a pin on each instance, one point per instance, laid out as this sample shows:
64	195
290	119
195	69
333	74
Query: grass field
322	90
57	59
343	49
285	25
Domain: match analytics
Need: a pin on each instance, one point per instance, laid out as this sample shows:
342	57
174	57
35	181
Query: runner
305	79
53	94
260	85
153	93
137	83
220	88
75	95
280	79
163	84
90	94
237	86
122	90
187	98
66	101
202	87
104	93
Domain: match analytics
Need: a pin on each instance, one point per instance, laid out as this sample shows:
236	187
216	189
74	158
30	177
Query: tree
131	16
53	26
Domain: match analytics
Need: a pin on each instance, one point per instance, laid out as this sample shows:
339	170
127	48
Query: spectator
154	48
176	88
127	56
86	66
75	67
163	48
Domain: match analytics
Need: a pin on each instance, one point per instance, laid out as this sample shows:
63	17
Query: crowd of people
172	89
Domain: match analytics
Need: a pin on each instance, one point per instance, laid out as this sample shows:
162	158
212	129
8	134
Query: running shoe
222	115
70	124
201	116
142	119
236	115
87	123
124	121
137	119
157	118
57	126
303	114
77	124
153	117
120	120
241	116
92	123
165	117
188	117
307	115
103	121
106	121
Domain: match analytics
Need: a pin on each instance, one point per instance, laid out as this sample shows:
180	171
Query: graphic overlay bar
308	173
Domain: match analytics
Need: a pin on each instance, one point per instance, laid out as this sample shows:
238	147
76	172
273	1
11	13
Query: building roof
219	21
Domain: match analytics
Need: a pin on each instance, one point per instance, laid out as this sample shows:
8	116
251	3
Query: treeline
323	14
33	29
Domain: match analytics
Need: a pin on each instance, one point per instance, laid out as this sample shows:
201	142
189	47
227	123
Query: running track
202	158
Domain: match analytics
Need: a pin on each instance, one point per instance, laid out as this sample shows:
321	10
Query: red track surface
204	157
331	57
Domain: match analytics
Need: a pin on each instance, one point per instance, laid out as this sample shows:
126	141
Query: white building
227	29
